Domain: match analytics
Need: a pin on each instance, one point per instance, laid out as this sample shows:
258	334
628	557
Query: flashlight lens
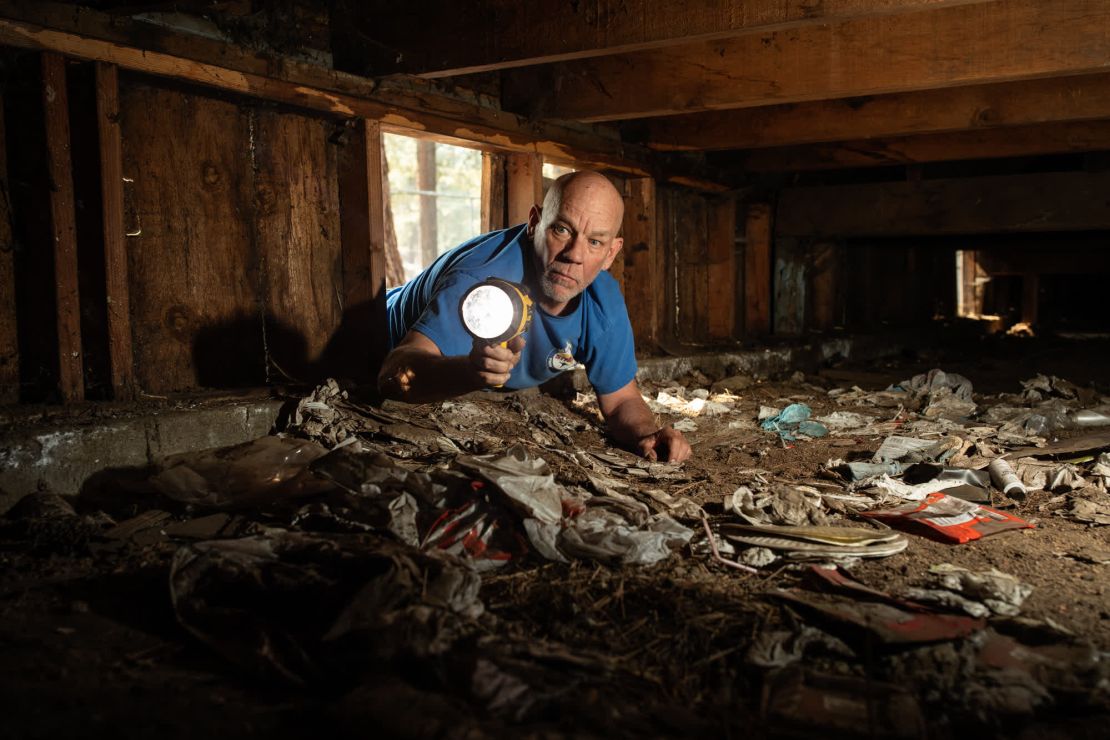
487	311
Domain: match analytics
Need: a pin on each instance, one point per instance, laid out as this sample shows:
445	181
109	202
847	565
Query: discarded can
1005	480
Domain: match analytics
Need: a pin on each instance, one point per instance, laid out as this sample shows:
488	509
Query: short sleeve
440	321
611	359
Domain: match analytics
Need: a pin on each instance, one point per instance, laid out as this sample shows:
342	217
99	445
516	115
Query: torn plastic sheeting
782	504
527	481
604	535
792	421
845	421
283	604
981	593
259	472
856	471
936	380
950	519
925	472
370	472
901	490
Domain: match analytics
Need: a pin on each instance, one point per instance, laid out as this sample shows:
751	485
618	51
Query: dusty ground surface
92	643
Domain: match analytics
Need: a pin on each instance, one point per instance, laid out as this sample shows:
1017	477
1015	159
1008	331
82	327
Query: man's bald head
590	186
575	235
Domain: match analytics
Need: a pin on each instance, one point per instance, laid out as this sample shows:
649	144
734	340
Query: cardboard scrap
950	519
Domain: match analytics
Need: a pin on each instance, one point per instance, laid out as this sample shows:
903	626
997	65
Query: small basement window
435	196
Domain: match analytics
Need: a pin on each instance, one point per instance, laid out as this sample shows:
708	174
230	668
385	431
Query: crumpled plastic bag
781	504
792	421
980	594
943	394
527	481
263	471
300	607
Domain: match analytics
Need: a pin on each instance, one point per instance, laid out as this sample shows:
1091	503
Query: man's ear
533	220
614	248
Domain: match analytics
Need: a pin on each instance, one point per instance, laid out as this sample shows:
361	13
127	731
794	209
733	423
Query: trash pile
501	551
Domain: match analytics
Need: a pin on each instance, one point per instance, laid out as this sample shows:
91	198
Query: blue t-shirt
595	333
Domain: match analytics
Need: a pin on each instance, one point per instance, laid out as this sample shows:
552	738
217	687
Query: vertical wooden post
971	288
525	185
722	268
9	336
362	231
1030	297
824	285
63	229
426	184
493	191
642	284
115	245
757	271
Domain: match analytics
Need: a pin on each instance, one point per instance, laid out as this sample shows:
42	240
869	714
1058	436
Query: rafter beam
1080	98
389	37
1020	141
946	47
1005	204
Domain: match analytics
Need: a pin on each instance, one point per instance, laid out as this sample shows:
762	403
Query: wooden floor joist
974	107
947	47
528	34
1041	202
63	228
1017	141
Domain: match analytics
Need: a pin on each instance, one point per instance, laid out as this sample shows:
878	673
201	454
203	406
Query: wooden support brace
757	271
643	289
722	268
63	229
364	330
525	185
115	245
493	191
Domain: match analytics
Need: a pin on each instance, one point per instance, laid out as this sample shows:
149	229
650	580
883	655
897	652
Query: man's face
575	243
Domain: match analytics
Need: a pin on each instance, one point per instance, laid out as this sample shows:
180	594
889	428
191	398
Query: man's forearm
415	376
631	421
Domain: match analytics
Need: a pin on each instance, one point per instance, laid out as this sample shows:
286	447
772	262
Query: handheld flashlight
495	310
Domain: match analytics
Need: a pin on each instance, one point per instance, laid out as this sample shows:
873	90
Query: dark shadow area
31	244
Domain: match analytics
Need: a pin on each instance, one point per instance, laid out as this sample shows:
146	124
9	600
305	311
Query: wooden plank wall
236	267
642	281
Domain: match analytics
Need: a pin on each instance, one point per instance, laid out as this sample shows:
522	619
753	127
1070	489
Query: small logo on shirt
561	360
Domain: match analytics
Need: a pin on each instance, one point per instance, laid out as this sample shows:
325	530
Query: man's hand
633	425
666	443
494	363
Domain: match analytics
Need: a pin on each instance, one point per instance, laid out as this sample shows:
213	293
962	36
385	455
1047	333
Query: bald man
560	256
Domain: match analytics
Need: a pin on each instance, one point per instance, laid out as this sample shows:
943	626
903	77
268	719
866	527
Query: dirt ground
92	643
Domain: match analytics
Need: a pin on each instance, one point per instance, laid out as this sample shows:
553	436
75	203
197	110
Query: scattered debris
950	519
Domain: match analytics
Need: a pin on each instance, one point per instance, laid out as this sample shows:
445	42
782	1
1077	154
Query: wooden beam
400	106
115	245
1017	141
362	227
9	329
524	185
407	40
493	191
1074	201
63	228
722	268
974	107
757	270
1030	297
642	283
947	47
